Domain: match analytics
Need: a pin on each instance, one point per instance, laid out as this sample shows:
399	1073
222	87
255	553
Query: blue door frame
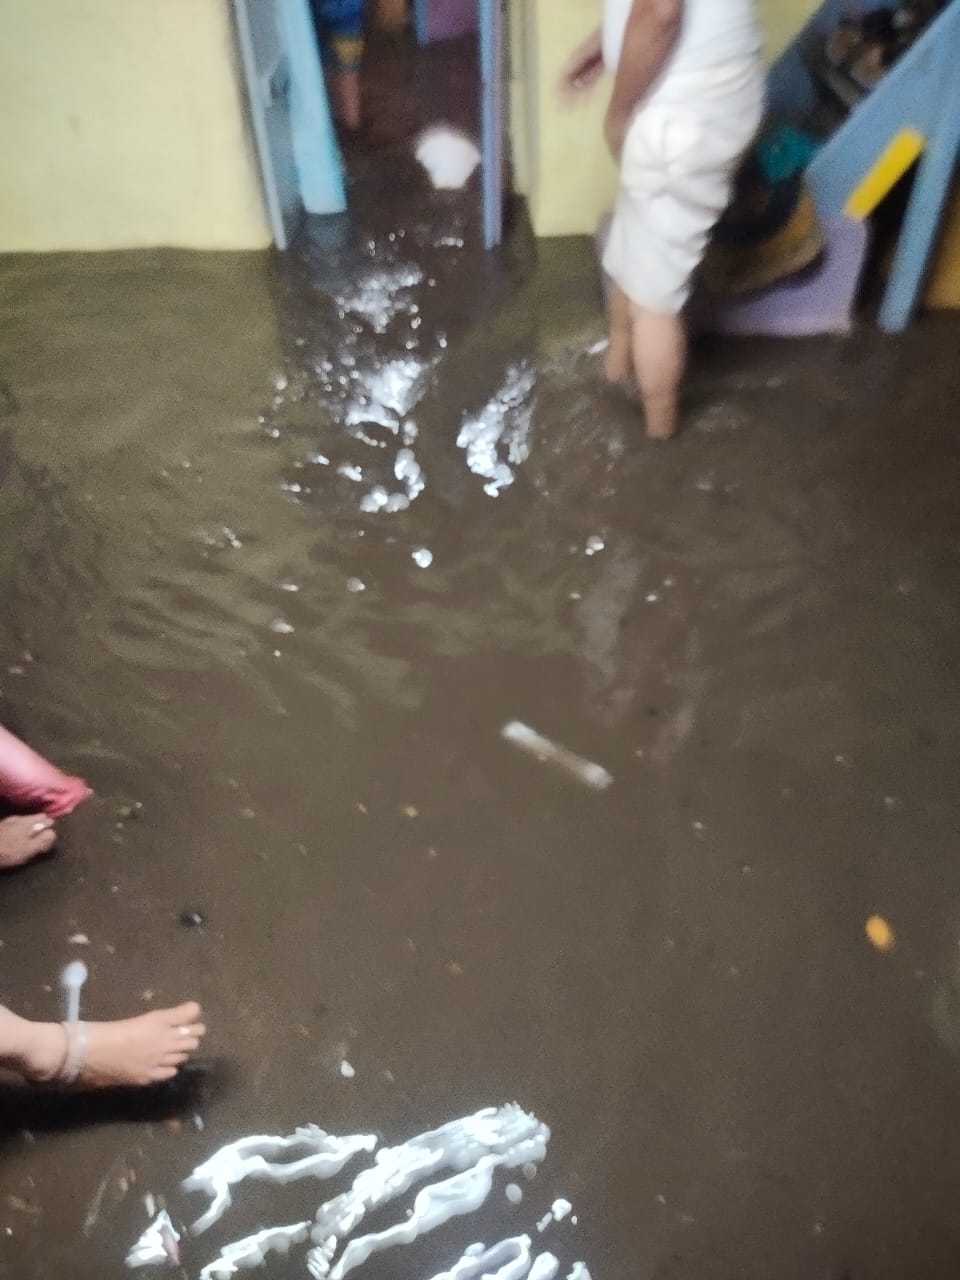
491	102
300	160
491	25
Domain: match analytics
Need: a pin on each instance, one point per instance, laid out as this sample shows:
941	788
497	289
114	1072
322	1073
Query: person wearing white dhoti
687	101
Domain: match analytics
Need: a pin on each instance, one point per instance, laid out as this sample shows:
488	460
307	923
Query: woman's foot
135	1052
24	838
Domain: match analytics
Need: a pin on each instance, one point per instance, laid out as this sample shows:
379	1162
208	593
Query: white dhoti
679	160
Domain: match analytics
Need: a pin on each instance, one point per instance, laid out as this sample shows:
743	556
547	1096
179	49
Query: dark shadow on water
198	1087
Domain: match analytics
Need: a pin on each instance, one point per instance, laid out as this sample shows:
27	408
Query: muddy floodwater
285	545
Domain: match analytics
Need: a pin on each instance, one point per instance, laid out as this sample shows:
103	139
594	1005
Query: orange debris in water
880	933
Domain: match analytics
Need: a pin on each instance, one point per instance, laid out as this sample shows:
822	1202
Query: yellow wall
562	164
122	125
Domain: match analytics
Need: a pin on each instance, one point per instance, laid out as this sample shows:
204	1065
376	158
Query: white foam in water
508	1260
375	500
388	393
468	1152
157	1247
248	1158
497	440
408	471
381	295
561	1209
506	1137
252	1251
535	744
448	156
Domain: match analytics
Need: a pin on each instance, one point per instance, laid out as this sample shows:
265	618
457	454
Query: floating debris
448	156
346	1070
356	585
880	933
585	771
594	544
281	628
513	1193
158	1246
79	940
422	557
192	919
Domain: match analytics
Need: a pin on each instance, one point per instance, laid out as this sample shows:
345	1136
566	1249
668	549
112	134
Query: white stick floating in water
72	979
535	744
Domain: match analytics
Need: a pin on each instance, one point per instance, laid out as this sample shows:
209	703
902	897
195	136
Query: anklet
76	1057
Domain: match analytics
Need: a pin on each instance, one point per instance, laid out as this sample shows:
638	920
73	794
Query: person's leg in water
340	24
618	361
135	1052
658	343
25	838
648	348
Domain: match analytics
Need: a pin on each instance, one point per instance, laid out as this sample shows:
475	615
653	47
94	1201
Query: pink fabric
32	783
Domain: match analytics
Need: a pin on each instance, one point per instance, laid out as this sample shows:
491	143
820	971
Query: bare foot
23	838
135	1052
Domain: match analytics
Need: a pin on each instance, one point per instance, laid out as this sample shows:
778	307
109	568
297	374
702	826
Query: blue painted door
266	65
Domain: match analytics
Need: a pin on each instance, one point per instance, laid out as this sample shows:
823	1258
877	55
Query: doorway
425	62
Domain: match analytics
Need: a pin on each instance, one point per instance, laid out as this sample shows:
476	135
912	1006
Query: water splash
497	440
382	294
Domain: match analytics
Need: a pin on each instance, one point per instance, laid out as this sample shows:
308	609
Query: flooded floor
285	545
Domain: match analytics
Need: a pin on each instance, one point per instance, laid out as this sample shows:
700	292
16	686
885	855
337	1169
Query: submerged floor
753	629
